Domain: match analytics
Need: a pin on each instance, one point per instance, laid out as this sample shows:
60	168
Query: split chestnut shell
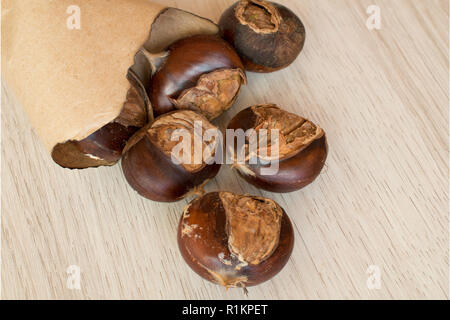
201	73
155	163
284	164
266	35
235	240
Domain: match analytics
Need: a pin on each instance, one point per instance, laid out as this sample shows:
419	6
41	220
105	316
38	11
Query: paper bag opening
73	83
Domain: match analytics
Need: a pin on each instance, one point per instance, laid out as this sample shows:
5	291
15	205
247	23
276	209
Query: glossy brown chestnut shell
235	240
148	165
266	35
302	153
187	61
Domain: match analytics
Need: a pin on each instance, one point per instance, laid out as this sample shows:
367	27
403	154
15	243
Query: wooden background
381	96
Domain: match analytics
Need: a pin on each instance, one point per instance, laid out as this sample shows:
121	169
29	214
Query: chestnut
301	155
235	240
104	147
157	170
267	35
201	73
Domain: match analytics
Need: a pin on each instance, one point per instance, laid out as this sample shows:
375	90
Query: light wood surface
381	96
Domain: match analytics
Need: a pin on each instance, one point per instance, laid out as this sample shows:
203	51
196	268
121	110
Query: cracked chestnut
235	240
104	147
201	73
266	35
284	164
160	162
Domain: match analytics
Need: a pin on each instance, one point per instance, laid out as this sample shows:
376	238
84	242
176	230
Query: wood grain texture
382	97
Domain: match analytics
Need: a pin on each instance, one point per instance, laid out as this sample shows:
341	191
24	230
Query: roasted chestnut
267	35
201	73
161	162
235	240
104	147
296	147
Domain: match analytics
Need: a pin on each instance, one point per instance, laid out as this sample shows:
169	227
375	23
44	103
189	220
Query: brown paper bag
72	79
